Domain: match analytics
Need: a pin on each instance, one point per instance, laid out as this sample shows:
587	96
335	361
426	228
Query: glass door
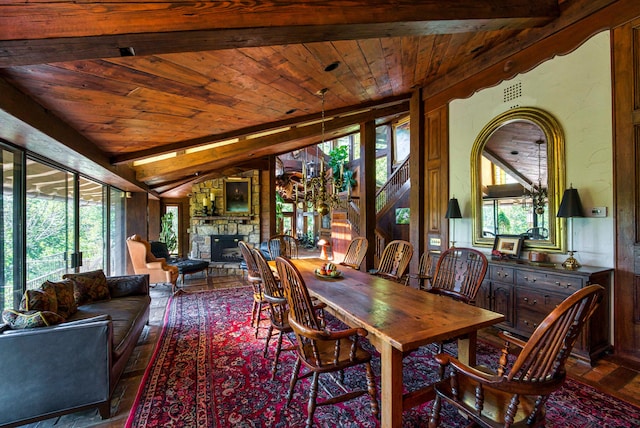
11	229
49	223
117	255
92	230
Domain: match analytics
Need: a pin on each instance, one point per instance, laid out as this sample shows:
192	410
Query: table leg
467	349
390	386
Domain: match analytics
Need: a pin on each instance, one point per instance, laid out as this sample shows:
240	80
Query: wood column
268	200
368	189
417	233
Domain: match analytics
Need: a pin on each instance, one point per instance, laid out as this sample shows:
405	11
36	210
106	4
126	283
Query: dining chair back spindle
425	271
321	350
515	394
255	280
394	260
283	245
356	252
459	274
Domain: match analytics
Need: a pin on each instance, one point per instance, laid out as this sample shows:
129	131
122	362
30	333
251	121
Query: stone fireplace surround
203	228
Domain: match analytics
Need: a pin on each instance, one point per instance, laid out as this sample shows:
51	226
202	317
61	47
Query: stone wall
204	226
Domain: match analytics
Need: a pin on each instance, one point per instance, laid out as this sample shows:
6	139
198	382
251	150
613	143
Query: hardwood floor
607	375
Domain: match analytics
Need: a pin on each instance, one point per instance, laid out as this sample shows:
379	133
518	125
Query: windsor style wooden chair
255	280
321	350
516	396
356	252
394	260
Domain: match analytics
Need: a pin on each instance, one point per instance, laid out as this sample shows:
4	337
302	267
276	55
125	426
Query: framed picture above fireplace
237	196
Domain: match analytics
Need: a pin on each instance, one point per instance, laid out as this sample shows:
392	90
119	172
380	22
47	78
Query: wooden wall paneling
417	232
437	177
154	213
136	220
625	41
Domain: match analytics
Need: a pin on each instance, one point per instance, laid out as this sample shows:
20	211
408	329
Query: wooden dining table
399	319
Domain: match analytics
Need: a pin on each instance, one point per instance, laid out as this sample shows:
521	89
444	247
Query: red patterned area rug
208	371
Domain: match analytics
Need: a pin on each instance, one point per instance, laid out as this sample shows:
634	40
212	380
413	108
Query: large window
56	223
11	229
92	233
50	223
117	255
401	141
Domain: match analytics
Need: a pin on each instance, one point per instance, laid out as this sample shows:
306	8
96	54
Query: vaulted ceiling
218	86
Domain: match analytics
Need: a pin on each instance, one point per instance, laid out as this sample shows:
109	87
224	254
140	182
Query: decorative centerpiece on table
328	270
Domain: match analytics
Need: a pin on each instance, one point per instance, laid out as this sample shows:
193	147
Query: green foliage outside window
167	234
338	158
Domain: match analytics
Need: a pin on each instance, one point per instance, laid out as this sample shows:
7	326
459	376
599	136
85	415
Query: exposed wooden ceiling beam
247	132
37	33
271	144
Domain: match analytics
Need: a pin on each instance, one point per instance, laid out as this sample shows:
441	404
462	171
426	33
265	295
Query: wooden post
368	189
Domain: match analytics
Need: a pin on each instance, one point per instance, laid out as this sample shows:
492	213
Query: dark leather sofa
75	365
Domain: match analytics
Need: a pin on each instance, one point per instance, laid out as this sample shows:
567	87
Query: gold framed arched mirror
517	179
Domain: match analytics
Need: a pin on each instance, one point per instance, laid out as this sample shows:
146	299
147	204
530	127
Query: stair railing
391	189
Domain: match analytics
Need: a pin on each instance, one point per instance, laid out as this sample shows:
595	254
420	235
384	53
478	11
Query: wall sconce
570	207
453	212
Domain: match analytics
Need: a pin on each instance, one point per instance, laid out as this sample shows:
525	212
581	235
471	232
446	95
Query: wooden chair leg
253	312
371	388
434	419
313	395
294	380
258	318
274	369
267	340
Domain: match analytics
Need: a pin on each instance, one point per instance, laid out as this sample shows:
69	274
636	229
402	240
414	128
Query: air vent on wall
512	92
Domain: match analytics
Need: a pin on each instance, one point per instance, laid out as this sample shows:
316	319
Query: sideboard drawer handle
559	284
526	278
526	299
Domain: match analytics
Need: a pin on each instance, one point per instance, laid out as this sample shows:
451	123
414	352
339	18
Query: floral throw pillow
89	286
64	294
39	300
30	319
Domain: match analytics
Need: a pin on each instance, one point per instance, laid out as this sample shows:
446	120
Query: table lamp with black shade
570	207
453	212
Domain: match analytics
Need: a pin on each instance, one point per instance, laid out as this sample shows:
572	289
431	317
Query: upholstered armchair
144	262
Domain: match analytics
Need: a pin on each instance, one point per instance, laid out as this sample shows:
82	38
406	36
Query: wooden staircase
386	198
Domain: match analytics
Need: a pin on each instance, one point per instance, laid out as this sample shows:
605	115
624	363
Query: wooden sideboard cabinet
526	293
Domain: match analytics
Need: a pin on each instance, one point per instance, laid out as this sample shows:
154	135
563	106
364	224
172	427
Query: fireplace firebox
224	248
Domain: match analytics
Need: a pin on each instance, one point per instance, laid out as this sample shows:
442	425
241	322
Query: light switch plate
598	212
435	242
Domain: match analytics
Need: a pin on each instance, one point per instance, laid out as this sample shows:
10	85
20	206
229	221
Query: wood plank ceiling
98	85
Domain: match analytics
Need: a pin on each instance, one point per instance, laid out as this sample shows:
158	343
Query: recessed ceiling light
128	51
332	66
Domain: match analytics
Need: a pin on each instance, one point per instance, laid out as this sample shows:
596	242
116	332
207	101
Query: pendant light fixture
314	176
